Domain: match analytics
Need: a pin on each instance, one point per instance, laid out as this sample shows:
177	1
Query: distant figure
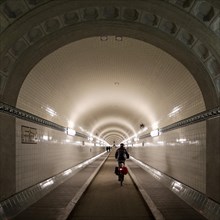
121	154
108	149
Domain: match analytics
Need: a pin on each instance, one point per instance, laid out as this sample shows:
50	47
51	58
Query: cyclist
121	154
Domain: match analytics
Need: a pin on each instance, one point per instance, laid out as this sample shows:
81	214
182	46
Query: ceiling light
51	111
175	111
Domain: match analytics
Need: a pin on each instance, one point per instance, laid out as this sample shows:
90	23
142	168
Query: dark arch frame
167	31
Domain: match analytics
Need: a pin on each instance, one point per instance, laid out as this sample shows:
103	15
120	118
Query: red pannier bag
124	170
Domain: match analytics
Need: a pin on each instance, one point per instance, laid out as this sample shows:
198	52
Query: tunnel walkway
106	199
168	203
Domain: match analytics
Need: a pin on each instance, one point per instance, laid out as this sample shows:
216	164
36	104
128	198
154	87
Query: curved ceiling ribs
113	138
203	44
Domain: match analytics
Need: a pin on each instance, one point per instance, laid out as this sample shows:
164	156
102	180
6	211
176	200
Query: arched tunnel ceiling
109	87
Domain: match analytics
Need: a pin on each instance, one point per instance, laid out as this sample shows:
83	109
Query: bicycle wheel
121	179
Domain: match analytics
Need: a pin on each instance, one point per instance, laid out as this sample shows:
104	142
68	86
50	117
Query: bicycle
120	175
121	171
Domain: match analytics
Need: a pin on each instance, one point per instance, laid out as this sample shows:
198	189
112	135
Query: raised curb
155	211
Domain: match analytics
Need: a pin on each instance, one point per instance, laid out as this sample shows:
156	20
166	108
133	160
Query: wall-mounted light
71	132
45	137
136	139
154	133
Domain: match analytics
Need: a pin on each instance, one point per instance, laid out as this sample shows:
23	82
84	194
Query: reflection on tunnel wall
42	152
180	153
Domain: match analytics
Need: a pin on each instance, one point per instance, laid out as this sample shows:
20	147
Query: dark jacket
121	154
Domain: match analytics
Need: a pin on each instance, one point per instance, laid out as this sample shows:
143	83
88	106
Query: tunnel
79	76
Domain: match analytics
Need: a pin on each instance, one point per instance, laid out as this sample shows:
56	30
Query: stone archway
45	27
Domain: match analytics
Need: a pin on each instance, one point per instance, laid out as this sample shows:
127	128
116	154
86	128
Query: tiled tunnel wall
52	153
180	153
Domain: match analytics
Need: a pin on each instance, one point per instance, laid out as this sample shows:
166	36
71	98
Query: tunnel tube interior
104	81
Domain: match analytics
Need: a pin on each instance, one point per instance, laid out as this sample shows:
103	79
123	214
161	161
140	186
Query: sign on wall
28	135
